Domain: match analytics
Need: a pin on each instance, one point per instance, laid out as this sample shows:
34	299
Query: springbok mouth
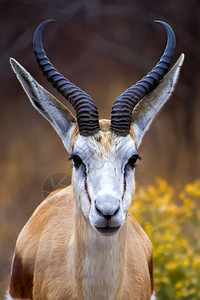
107	230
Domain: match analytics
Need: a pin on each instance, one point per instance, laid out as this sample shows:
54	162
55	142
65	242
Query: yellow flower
172	221
179	284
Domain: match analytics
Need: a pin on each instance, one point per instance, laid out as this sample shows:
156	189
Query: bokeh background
103	47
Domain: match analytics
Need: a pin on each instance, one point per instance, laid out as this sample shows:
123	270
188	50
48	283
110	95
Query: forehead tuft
104	125
104	136
105	140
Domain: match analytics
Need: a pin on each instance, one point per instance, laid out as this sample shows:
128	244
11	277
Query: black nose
107	206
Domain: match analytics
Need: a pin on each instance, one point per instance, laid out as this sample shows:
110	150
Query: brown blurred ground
103	47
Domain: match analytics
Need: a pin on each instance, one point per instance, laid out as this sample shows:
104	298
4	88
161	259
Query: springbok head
104	152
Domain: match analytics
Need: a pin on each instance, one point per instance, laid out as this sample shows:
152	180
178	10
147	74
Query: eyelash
76	160
132	160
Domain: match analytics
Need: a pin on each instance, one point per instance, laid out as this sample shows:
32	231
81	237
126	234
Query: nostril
99	211
116	211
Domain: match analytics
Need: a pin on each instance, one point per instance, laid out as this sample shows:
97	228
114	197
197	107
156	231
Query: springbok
81	242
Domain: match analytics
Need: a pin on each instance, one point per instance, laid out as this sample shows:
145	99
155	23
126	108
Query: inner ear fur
50	107
148	107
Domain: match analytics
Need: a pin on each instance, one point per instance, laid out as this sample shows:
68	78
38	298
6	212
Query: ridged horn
86	110
121	113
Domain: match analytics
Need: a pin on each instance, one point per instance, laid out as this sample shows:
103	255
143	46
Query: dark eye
77	160
132	160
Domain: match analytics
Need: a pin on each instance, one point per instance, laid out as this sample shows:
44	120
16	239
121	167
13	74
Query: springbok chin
81	242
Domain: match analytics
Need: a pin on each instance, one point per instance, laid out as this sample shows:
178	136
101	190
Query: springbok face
103	177
104	152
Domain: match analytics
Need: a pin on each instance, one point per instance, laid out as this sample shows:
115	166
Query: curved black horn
86	110
121	113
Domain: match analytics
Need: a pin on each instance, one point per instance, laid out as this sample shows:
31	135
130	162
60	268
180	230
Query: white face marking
104	181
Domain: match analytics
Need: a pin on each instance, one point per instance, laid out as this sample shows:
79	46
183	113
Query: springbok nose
107	206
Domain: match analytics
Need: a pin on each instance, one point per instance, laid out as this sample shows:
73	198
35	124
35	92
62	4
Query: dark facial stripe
124	189
86	188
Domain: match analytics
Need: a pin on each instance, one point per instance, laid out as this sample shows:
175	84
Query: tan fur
50	252
105	136
133	135
104	124
74	137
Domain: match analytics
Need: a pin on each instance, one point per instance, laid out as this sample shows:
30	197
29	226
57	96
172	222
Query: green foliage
172	221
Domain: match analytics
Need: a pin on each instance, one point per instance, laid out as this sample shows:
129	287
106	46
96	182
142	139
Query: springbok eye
76	160
132	160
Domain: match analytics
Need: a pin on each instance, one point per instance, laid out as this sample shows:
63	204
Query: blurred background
103	47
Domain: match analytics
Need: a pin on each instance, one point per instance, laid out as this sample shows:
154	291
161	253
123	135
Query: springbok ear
146	110
51	108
